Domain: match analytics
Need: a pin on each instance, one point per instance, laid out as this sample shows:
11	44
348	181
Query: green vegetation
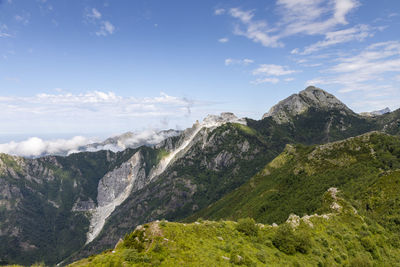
364	169
337	239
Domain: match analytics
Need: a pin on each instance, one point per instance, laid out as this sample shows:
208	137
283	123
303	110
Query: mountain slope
340	237
45	203
295	181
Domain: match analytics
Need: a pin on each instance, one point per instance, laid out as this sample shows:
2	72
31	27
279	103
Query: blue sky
97	68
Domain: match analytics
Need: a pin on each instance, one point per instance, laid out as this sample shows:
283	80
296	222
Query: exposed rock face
186	141
300	103
113	189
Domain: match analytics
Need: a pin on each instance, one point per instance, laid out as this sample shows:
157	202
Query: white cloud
93	16
35	146
24	19
369	74
219	11
223	40
88	112
313	16
3	31
310	17
95	13
272	70
268	73
356	33
232	61
105	29
257	31
265	80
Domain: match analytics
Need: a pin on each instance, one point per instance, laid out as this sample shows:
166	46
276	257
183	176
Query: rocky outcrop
299	103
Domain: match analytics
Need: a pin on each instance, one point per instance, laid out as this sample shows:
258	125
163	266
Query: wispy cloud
268	73
272	70
257	81
371	74
22	18
223	40
232	61
105	29
4	31
219	11
255	30
309	17
360	71
94	16
356	33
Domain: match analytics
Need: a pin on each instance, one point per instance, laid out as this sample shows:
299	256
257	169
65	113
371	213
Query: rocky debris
86	205
113	189
299	103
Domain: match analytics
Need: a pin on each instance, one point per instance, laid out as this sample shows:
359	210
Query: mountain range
59	209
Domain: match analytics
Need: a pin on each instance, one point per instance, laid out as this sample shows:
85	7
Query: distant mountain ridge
376	112
130	140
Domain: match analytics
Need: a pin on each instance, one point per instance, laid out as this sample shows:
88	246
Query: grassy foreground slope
364	168
340	237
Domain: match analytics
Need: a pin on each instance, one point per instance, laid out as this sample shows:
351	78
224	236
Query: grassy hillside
364	168
339	237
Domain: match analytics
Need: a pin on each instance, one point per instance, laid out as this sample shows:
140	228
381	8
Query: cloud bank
91	112
36	147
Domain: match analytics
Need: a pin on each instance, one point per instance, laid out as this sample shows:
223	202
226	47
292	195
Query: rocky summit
311	97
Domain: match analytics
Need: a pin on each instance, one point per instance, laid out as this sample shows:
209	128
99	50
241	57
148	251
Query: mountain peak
299	103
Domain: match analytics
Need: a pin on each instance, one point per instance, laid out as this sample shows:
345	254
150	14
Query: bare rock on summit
301	102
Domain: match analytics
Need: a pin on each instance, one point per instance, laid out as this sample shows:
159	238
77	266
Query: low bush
247	226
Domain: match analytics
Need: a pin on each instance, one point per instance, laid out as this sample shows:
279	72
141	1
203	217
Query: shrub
360	261
157	248
290	242
134	240
284	239
131	255
261	256
247	226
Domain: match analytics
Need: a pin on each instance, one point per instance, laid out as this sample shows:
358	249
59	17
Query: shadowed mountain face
58	204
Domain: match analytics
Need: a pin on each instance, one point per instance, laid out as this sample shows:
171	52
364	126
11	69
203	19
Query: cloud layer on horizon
90	111
36	147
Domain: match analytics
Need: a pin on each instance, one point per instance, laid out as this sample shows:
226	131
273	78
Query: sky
99	68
